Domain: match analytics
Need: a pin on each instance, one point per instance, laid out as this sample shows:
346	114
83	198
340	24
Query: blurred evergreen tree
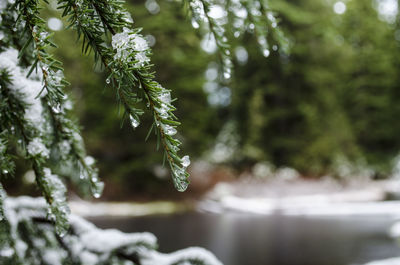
333	97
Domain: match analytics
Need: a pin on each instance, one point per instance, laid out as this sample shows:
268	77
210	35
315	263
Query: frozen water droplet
108	80
134	122
165	97
43	35
56	109
180	180
169	130
182	186
266	53
61	231
195	24
227	75
97	189
185	161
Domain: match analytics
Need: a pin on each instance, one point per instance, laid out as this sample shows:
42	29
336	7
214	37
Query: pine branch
130	75
200	10
53	83
52	188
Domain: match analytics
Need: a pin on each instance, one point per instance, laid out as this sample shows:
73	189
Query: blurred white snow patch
263	170
387	10
216	12
226	144
53	256
391	261
160	171
208	43
88	258
287	174
54	24
220	190
200	173
85	208
396	168
339	8
191	255
394	230
312	205
358	171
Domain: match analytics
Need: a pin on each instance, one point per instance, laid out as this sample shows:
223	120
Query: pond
247	239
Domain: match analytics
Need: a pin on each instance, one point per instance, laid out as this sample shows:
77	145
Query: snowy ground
288	197
303	197
391	261
92	209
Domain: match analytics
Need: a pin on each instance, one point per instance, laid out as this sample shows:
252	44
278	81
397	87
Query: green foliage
334	96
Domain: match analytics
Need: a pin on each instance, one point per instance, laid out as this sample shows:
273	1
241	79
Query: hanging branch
128	64
201	14
36	152
67	139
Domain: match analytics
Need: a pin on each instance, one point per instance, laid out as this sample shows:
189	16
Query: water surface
247	239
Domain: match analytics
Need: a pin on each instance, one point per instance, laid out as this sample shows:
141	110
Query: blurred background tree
332	98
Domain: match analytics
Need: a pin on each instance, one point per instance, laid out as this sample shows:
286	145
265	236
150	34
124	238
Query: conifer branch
129	68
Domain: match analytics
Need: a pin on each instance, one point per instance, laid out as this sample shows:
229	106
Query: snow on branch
32	237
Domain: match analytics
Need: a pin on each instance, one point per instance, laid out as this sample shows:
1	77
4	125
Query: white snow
52	256
185	161
179	257
27	89
302	198
141	59
127	43
98	240
394	230
107	240
36	147
391	261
